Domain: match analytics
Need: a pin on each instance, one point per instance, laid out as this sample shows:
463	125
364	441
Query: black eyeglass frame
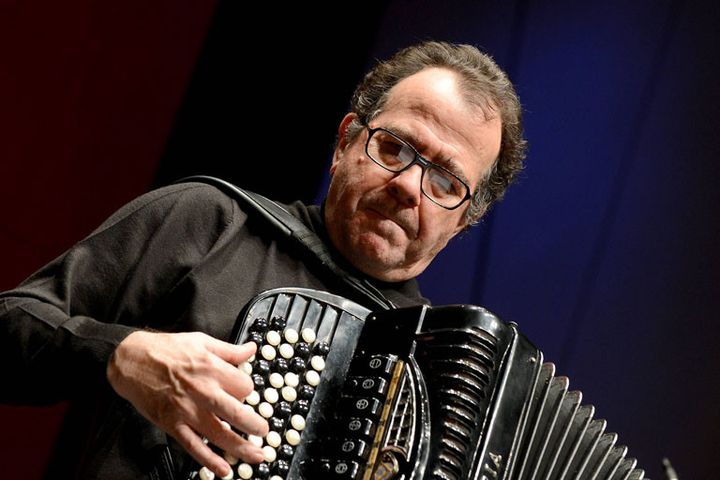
418	159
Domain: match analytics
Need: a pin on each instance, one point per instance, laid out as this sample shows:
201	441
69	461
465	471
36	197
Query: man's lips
399	220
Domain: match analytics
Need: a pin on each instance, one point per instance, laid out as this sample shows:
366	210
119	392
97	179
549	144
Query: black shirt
182	258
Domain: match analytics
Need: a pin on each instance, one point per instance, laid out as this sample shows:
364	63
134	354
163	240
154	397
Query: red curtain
89	91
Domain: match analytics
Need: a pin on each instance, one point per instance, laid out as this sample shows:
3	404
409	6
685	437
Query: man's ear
342	140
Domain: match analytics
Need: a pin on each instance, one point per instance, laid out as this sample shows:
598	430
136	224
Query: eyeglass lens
394	154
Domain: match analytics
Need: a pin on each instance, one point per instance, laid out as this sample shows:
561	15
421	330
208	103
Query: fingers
221	435
193	444
237	414
185	383
231	353
233	380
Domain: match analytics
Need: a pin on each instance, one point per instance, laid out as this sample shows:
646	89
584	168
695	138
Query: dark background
606	252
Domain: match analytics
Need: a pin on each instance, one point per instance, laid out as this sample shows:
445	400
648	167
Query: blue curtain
607	252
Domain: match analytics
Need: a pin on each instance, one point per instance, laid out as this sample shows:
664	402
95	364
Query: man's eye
390	148
442	185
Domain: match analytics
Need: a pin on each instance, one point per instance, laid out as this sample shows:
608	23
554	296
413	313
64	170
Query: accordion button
348	470
266	410
206	474
268	352
276	380
276	424
298	422
271	395
246	367
318	363
306	392
361	427
380	365
312	378
273	439
297	365
353	448
291	379
262	471
285	452
292	437
270	454
291	335
283	409
289	393
255	440
322	349
278	323
280	365
245	471
308	335
259	325
362	386
256	337
262	367
365	407
273	337
286	350
253	398
302	350
258	381
281	467
301	407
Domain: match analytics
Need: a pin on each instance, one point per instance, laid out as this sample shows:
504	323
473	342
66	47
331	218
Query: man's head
458	110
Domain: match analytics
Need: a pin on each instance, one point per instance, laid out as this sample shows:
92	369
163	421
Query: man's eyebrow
448	163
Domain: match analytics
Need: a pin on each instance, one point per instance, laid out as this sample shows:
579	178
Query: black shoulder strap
291	227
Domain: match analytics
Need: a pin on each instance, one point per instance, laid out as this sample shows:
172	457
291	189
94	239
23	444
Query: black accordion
442	393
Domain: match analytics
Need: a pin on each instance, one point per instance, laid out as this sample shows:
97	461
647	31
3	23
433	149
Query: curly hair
484	84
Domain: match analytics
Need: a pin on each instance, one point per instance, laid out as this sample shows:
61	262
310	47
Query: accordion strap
290	227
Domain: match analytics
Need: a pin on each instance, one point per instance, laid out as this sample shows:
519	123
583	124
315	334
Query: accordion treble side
442	393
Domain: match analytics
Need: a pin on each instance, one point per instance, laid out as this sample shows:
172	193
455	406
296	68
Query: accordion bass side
442	393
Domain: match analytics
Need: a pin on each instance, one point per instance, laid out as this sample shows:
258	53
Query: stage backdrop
605	253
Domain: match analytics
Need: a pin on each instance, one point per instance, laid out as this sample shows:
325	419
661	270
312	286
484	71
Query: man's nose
405	186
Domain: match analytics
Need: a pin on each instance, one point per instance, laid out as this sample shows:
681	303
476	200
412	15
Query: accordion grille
562	440
463	362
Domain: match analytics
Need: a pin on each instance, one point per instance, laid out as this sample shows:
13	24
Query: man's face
379	220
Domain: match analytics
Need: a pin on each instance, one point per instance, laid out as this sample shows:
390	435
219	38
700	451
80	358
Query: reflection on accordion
417	393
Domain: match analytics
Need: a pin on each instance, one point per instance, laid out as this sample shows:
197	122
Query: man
433	138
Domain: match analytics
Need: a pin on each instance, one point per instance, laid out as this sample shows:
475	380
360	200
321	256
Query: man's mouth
396	219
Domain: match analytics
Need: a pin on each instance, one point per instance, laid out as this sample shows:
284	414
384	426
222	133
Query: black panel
262	110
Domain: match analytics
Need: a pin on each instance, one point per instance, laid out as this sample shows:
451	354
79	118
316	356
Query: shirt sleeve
59	327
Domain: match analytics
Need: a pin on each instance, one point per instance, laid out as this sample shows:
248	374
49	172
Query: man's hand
186	384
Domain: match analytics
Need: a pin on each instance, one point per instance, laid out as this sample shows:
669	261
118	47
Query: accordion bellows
442	393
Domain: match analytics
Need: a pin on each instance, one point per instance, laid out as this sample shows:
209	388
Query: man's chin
376	257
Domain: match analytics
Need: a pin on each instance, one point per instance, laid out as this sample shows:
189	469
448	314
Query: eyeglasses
394	154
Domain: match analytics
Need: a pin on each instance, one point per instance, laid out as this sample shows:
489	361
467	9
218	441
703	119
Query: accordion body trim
458	394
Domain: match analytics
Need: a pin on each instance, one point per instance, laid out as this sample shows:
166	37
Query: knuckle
245	385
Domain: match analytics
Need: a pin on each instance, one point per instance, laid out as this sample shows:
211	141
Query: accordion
442	393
